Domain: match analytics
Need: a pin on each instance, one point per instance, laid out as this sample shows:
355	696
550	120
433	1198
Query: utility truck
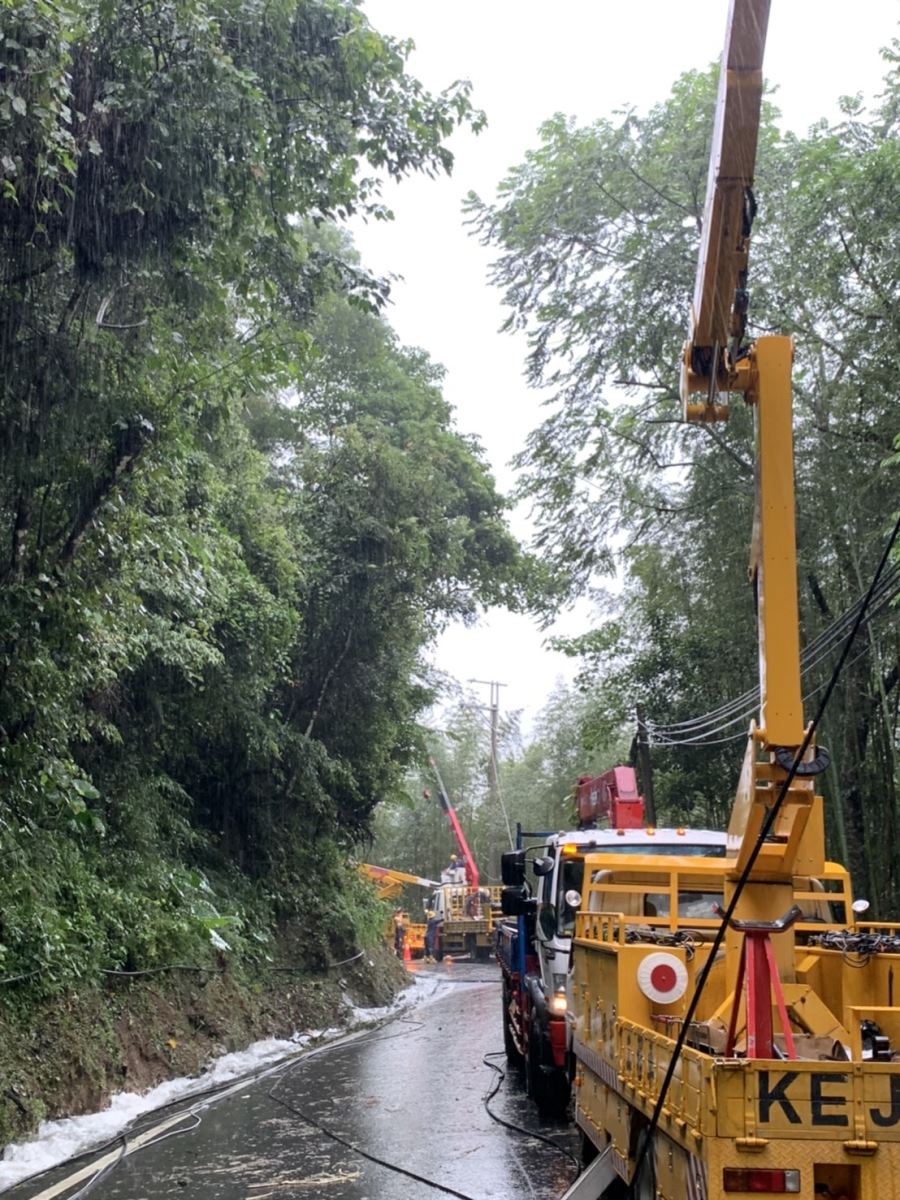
465	911
533	941
736	1025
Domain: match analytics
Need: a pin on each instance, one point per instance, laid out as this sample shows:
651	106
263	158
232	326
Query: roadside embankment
68	1055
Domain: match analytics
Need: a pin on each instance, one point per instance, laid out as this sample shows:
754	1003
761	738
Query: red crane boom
444	801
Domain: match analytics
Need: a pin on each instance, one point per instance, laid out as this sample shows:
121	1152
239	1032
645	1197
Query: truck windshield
690	904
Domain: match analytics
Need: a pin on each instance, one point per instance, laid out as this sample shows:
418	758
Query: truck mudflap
559	1038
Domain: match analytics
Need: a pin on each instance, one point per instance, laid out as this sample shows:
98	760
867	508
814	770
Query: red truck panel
613	795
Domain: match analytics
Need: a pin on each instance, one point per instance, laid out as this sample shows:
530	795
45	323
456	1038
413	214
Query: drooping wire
742	734
702	730
326	1131
817	649
766	827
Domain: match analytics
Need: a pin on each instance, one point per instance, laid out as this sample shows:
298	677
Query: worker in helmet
399	931
433	923
454	872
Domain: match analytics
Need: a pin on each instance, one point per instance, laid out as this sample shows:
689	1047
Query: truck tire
513	1057
548	1086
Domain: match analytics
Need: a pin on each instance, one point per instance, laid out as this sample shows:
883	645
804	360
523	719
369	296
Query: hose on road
351	1146
373	1158
131	1140
532	1133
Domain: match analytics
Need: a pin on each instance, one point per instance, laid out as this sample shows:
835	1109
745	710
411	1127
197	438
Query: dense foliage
233	508
596	235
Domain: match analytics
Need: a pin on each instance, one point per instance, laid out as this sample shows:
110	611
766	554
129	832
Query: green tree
219	570
596	236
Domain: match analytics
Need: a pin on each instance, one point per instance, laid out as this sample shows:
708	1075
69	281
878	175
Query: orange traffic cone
407	955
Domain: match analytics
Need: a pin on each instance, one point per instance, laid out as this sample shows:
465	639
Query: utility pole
493	780
641	752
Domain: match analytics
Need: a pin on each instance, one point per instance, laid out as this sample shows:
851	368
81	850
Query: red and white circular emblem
662	977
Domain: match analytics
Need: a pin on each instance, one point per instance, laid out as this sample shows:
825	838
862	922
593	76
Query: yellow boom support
390	883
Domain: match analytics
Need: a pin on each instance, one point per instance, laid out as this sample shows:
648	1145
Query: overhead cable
703	730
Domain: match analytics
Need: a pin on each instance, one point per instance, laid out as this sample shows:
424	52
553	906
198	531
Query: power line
703	730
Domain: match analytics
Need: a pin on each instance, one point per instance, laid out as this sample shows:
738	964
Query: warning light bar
759	1179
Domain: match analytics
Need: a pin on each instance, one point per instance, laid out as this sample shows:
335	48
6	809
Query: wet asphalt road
410	1093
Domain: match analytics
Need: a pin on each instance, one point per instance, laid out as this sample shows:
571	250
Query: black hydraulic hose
120	973
191	1102
532	1133
373	1158
766	828
348	1145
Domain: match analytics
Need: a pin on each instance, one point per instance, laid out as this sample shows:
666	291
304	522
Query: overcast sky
527	60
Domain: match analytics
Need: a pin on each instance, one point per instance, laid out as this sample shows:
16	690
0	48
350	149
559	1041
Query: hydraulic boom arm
718	313
444	801
390	883
718	359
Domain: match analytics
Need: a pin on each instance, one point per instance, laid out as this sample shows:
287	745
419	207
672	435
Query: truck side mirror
512	868
544	865
515	902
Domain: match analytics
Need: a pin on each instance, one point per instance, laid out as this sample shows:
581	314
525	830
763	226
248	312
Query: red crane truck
465	911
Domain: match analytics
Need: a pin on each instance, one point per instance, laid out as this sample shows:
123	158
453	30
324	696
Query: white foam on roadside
422	988
56	1141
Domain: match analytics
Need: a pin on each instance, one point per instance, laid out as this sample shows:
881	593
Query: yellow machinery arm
716	359
773	1070
390	883
718	312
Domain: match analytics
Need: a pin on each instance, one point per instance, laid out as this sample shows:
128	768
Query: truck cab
559	887
533	943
